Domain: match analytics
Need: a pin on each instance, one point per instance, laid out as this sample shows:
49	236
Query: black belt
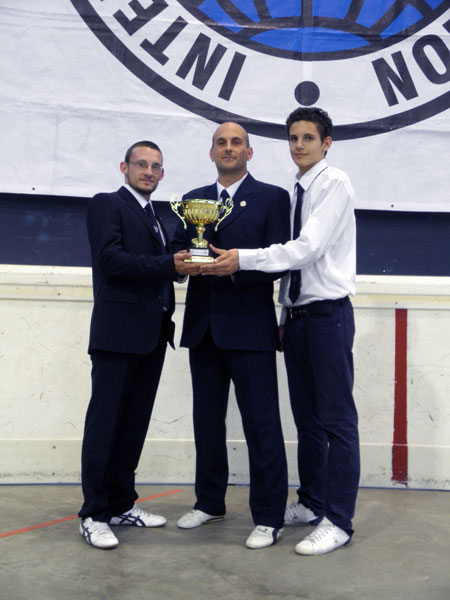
298	312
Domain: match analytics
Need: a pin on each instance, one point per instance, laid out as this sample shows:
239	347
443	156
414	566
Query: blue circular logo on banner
316	30
377	65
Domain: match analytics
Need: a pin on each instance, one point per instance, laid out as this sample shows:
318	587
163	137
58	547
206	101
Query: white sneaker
195	518
98	534
139	518
297	513
325	538
262	537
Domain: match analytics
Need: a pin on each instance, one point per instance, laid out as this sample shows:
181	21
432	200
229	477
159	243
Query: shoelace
99	528
320	532
135	515
140	514
290	510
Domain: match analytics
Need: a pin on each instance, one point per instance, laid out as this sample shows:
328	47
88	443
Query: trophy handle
226	207
175	206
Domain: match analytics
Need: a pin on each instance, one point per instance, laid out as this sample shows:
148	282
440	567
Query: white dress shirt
231	189
325	251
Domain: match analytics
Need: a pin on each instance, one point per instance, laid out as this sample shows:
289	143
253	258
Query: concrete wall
45	384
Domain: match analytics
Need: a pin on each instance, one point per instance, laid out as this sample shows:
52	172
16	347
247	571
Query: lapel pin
243	203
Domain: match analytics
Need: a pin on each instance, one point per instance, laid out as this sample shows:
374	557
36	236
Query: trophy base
199	255
200	259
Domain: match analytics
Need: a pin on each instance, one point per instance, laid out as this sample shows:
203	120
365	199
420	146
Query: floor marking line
72	517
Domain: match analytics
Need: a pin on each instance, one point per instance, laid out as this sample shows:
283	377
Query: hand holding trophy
201	212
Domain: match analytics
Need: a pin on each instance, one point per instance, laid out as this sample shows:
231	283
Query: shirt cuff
247	259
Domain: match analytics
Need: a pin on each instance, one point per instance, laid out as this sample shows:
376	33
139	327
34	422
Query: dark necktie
296	276
151	215
224	195
165	292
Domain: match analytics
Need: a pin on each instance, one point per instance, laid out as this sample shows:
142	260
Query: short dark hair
315	115
144	143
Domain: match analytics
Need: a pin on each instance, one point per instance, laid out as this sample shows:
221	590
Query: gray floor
400	550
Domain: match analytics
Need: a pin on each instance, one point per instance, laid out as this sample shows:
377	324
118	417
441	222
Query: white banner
84	79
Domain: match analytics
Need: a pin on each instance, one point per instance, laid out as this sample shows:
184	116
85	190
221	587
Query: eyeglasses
143	165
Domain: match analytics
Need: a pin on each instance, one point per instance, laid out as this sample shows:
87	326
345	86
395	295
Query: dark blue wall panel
43	230
403	243
50	230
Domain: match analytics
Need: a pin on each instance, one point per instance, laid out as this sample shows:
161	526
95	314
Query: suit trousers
123	393
319	363
255	380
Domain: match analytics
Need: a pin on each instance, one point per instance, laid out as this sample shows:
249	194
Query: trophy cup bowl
201	212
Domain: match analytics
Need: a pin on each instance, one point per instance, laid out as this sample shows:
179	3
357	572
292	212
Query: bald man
230	328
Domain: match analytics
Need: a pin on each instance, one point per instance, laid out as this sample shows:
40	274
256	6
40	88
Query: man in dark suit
317	332
230	327
131	325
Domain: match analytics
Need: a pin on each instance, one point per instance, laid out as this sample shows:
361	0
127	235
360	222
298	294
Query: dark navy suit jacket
240	309
129	269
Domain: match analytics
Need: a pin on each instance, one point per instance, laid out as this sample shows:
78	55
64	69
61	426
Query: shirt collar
139	197
231	189
307	179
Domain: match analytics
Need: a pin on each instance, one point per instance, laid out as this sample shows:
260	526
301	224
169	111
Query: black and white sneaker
262	537
296	514
138	518
98	534
195	518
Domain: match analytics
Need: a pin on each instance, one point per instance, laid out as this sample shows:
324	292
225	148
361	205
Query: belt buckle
297	312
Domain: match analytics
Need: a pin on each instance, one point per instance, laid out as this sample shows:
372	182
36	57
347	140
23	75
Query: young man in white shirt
317	330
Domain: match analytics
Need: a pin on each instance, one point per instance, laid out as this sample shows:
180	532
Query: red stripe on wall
400	440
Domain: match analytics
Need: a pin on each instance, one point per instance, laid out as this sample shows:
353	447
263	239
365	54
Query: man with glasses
133	269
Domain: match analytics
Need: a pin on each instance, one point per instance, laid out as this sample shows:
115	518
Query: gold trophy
201	212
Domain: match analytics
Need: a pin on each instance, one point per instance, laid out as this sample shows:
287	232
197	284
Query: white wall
45	383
